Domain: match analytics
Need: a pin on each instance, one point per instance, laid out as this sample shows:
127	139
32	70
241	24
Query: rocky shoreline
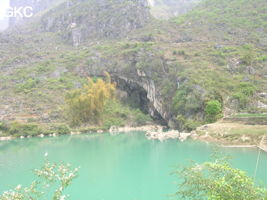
155	132
6	138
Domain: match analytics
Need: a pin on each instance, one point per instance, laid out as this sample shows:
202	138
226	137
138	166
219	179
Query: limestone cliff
84	20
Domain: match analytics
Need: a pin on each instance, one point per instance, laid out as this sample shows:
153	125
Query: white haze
4	4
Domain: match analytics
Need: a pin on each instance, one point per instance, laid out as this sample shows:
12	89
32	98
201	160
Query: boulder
184	136
245	138
5	138
114	130
159	135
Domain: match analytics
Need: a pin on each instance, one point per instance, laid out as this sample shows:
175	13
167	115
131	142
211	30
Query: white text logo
22	12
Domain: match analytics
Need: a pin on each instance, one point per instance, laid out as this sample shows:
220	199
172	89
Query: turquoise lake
121	167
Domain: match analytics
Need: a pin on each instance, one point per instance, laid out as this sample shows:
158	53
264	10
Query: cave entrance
136	97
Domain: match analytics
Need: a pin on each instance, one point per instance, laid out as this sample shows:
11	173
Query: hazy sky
3	21
3	6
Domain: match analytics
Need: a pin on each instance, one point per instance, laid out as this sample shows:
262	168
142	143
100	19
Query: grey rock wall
102	19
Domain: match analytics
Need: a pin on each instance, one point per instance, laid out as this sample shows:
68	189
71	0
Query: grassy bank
18	129
232	133
114	114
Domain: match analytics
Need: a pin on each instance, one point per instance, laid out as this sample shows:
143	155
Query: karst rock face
103	19
136	12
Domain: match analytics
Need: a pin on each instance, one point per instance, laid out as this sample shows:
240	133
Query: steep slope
81	20
170	68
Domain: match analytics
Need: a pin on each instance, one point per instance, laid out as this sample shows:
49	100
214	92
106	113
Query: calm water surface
122	167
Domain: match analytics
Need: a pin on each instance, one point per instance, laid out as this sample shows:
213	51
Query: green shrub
187	100
3	127
181	119
28	85
140	118
117	114
19	129
187	124
262	58
191	125
213	110
179	52
186	103
179	100
243	94
113	122
60	129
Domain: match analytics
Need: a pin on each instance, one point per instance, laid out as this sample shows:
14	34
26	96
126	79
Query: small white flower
18	187
46	154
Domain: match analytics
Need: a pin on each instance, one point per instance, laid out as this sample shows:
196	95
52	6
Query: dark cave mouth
137	98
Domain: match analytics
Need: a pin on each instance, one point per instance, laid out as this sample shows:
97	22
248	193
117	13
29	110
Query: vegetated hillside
39	67
171	69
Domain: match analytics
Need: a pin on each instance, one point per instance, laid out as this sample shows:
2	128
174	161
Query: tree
217	181
86	105
213	110
50	177
244	94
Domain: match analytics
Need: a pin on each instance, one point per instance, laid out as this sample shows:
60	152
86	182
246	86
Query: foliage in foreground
217	181
52	180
